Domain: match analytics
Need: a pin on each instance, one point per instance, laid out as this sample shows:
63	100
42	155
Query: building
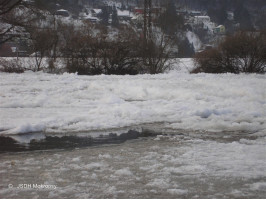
10	49
156	11
219	29
138	11
62	12
201	19
96	12
195	13
91	19
230	16
124	15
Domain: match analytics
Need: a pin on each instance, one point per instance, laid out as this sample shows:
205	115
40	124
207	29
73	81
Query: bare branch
7	5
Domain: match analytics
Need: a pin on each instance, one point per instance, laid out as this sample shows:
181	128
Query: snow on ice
40	102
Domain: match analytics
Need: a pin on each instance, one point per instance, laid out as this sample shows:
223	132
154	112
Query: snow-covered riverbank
39	102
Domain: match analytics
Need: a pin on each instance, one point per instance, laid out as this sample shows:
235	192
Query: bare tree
242	52
157	53
121	56
17	16
41	44
7	5
90	54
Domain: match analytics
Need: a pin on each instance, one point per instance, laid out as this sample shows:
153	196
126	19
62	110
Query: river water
183	165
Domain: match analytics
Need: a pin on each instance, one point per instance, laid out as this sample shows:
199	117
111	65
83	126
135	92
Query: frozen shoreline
52	104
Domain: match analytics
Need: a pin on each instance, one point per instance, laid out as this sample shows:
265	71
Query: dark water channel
9	144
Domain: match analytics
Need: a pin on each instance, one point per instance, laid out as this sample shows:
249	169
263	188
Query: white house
230	16
201	19
92	19
62	12
195	13
96	12
124	14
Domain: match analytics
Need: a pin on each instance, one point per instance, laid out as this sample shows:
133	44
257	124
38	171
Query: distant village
196	21
135	15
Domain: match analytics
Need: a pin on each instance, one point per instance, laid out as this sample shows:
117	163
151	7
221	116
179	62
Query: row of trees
90	54
122	54
89	49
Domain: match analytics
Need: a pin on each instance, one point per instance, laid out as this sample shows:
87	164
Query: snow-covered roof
193	11
124	13
202	17
97	11
137	17
91	18
61	10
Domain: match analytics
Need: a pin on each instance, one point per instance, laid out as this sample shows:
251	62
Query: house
219	29
138	11
124	15
208	46
10	49
96	12
156	11
195	13
230	16
137	19
201	19
181	12
62	12
91	19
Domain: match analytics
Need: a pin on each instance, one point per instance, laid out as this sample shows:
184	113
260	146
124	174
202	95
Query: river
176	165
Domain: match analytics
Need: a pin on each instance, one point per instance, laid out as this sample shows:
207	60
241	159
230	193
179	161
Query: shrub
120	54
243	52
92	55
11	66
156	54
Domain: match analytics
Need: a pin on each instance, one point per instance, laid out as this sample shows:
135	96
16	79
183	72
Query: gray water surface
169	166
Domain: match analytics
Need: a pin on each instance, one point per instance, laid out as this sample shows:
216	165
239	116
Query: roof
61	10
92	18
124	13
97	11
139	10
202	17
194	11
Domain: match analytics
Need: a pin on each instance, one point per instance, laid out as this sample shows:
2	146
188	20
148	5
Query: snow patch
260	186
177	191
124	172
194	39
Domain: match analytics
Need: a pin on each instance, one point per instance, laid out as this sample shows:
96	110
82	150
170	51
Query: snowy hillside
194	39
